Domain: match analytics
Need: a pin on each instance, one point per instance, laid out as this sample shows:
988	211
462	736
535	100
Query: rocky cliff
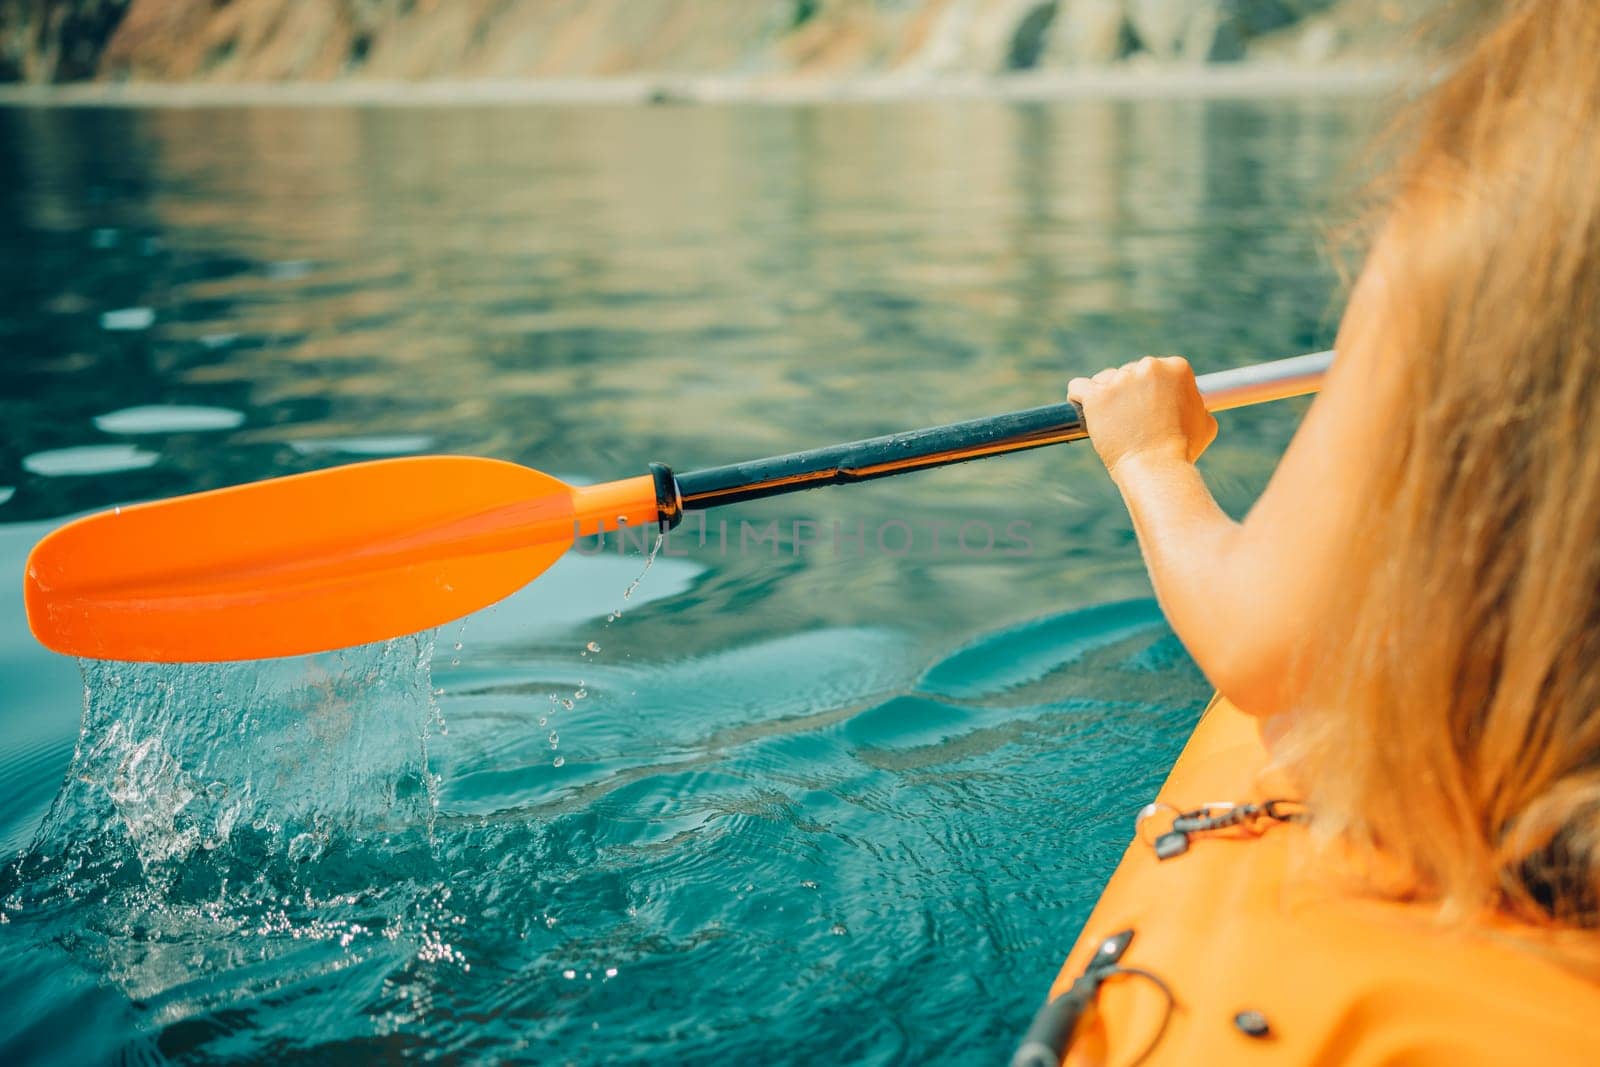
232	41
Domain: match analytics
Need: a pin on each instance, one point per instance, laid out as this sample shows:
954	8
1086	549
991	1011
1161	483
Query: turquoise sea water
849	801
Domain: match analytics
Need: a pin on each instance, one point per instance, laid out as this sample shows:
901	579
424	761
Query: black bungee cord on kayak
1055	1025
1253	818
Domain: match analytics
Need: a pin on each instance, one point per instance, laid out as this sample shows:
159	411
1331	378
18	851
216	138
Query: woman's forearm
1199	565
1247	599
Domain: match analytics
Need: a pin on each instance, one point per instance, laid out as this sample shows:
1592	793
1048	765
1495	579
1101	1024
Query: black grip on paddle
880	457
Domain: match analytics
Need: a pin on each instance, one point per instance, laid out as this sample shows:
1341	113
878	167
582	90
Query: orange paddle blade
310	562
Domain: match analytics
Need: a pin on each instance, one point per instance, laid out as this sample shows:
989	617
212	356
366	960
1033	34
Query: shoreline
1138	82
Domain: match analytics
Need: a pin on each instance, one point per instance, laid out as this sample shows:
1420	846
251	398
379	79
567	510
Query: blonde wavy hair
1455	731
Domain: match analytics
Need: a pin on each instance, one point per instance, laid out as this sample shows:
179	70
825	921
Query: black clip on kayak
1048	1039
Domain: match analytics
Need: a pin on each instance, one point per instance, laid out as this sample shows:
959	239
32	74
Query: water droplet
808	884
592	646
611	972
566	704
544	720
650	557
569	974
555	739
549	922
455	661
457	646
838	930
579	693
559	761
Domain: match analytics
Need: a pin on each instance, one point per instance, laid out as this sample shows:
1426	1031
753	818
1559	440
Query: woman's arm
1245	598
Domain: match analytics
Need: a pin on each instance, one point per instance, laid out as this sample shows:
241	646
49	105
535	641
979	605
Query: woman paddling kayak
1382	843
1412	608
1404	634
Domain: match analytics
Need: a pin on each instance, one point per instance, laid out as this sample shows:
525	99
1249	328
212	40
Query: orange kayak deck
1238	924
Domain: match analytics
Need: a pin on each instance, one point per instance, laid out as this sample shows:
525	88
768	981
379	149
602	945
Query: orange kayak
1227	952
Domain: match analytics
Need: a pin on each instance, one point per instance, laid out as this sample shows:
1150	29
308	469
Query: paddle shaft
940	446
